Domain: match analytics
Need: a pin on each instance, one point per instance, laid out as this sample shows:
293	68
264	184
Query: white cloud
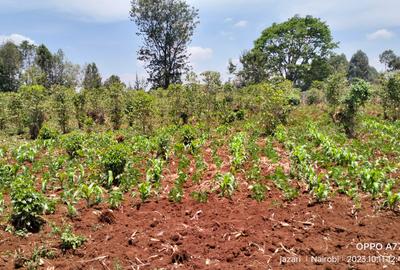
15	38
380	34
241	24
200	54
227	20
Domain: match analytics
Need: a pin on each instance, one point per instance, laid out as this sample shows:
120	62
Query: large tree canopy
390	59
359	67
10	62
92	78
167	27
294	48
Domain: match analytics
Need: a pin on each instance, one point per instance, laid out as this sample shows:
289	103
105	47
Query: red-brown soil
237	233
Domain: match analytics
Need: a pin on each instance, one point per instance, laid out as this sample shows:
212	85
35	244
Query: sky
100	31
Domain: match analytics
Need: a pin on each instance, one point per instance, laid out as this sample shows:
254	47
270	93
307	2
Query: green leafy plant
176	193
73	144
92	193
227	184
48	133
200	196
71	241
27	206
115	199
258	192
238	150
144	190
114	160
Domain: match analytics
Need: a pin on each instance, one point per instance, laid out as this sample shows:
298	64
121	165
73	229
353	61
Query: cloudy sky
100	30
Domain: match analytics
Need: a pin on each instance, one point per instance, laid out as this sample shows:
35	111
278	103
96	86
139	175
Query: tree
212	80
44	60
254	68
92	78
113	79
338	63
10	63
359	68
167	27
390	59
28	54
288	49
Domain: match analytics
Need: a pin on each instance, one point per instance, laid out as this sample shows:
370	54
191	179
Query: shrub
62	99
271	103
27	206
48	133
391	97
33	98
358	95
188	135
114	160
140	109
314	96
73	144
116	105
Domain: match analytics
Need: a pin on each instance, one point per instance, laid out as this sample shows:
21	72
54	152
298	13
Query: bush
356	98
73	144
48	133
114	160
27	206
188	134
33	102
391	97
314	96
271	103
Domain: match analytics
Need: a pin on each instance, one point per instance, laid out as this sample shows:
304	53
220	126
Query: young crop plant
280	180
2	203
391	199
26	153
372	180
144	190
270	152
321	190
92	193
154	173
254	173
238	150
115	198
71	241
200	196
227	184
176	193
184	163
258	192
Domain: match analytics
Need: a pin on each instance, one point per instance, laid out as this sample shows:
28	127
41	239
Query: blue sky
100	30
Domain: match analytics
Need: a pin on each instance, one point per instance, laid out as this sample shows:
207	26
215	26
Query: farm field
197	134
196	198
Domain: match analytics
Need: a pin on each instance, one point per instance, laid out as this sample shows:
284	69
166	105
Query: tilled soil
236	233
